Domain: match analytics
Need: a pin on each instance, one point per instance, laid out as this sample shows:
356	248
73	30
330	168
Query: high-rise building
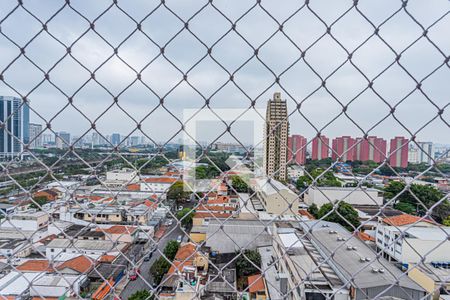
115	139
95	139
320	147
134	140
426	152
36	136
62	139
398	152
16	118
373	148
276	138
413	155
297	149
343	148
47	138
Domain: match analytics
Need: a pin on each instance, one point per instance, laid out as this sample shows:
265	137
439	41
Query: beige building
276	198
276	138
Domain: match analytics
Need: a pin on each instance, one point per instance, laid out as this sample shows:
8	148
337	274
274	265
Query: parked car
169	222
133	274
179	238
180	207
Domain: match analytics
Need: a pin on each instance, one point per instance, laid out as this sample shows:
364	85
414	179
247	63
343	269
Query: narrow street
144	281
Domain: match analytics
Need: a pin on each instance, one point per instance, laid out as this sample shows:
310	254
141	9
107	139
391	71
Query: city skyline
317	107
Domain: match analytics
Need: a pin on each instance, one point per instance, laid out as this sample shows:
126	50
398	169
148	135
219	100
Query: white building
121	177
16	285
426	152
30	220
157	184
413	155
407	241
63	249
351	195
295	171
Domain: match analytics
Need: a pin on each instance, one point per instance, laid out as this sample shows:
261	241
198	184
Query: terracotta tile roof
160	180
214	208
179	265
133	187
81	264
304	212
118	229
35	265
107	258
150	204
185	252
202	215
218	200
256	283
365	237
404	219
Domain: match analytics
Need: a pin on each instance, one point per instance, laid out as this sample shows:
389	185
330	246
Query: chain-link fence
218	150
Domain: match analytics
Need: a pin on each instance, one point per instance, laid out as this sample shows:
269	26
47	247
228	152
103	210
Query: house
185	278
63	249
28	220
48	194
257	287
120	233
157	184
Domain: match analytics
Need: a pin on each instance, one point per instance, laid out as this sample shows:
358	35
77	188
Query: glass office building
15	121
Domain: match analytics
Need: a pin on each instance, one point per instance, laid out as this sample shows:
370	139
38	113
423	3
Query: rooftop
324	236
405	219
256	283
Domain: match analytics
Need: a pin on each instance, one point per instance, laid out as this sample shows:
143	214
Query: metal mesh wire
60	58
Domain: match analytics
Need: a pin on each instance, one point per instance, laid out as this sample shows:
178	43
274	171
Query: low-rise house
351	195
28	220
257	287
120	233
15	248
157	184
20	285
48	194
63	249
186	277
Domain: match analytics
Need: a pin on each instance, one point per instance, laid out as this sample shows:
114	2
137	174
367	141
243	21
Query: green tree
41	200
245	265
326	179
159	269
171	249
348	213
313	210
185	215
426	194
239	184
177	192
446	221
141	295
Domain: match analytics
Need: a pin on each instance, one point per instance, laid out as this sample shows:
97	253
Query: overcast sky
253	81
